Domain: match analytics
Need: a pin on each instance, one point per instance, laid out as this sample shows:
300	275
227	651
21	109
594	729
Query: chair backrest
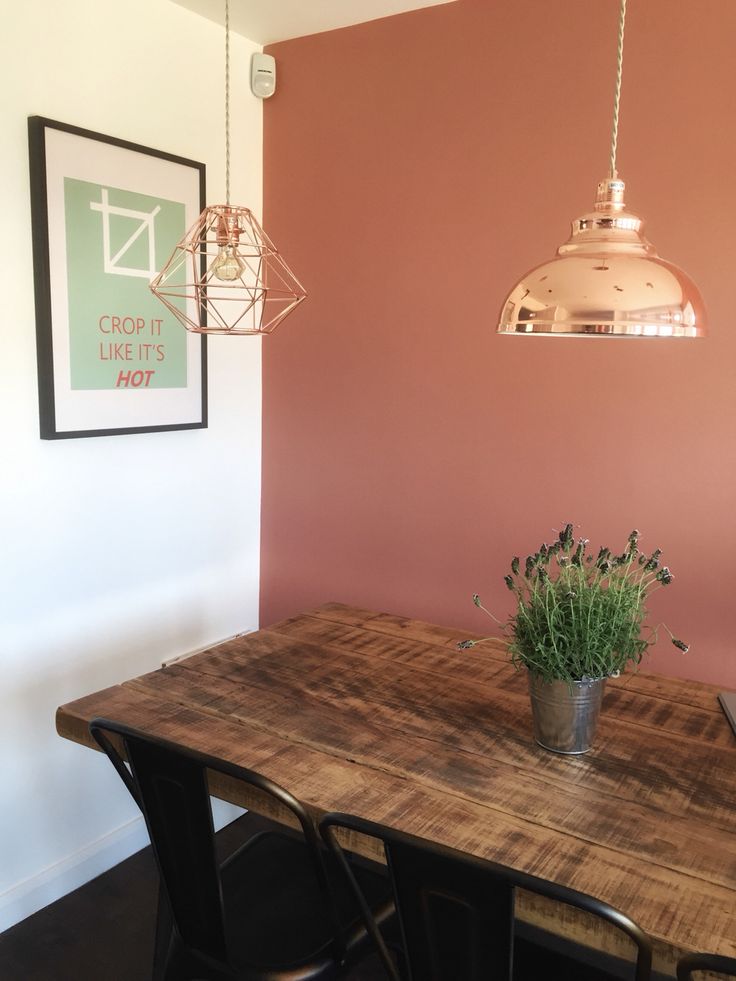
169	783
456	911
690	963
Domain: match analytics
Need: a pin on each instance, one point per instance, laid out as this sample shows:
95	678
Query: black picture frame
77	356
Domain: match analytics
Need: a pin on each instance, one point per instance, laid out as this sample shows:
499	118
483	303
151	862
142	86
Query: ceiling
266	21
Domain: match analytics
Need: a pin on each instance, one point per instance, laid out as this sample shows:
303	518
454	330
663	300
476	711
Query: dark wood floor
104	932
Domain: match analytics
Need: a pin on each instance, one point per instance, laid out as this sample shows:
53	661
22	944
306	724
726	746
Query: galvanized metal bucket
565	714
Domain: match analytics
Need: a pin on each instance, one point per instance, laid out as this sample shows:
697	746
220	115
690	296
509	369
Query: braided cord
227	102
617	97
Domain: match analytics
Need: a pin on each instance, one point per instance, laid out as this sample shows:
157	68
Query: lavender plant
580	615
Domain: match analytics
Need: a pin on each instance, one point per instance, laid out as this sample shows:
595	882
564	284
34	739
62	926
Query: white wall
115	552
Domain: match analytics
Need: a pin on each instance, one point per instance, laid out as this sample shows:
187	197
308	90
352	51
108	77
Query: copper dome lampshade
606	279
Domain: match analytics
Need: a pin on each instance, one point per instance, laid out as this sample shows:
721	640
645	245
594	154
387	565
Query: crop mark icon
112	264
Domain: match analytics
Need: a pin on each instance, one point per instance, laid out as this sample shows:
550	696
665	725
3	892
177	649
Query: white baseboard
32	894
48	885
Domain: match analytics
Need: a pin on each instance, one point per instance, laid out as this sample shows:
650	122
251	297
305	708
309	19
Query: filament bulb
227	266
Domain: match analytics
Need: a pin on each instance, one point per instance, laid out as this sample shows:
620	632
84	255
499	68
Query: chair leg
162	940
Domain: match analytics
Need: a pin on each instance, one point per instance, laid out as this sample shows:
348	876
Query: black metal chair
456	912
690	963
271	911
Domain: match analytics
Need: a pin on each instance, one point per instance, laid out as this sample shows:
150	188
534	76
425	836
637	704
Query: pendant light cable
227	102
612	172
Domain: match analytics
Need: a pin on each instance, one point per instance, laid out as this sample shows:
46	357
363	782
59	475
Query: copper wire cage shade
607	279
230	276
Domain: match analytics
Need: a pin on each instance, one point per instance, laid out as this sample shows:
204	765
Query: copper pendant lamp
226	276
607	279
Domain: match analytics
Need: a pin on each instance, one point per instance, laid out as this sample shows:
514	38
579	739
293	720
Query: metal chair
456	912
690	963
269	912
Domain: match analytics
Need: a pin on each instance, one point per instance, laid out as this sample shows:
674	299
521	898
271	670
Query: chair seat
273	872
217	917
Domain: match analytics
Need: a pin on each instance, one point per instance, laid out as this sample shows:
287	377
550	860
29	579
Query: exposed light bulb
227	265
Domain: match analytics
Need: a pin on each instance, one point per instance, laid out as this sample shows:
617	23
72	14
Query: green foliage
580	615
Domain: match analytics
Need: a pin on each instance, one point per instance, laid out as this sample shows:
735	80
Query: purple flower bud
653	561
604	555
566	535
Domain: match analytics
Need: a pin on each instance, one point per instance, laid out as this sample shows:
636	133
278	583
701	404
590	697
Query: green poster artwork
121	336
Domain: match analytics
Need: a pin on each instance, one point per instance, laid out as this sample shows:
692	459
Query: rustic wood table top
385	718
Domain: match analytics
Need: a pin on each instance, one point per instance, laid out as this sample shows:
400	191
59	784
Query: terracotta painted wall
414	168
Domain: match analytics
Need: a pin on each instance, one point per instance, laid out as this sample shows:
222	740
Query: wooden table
383	717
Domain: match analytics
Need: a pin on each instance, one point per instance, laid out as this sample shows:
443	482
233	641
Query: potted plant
579	620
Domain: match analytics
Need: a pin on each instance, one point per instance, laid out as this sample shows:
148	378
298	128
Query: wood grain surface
385	718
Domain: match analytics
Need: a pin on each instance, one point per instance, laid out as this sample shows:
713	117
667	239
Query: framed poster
106	216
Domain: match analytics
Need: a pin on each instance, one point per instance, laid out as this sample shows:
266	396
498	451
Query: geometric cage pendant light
606	279
226	276
229	274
